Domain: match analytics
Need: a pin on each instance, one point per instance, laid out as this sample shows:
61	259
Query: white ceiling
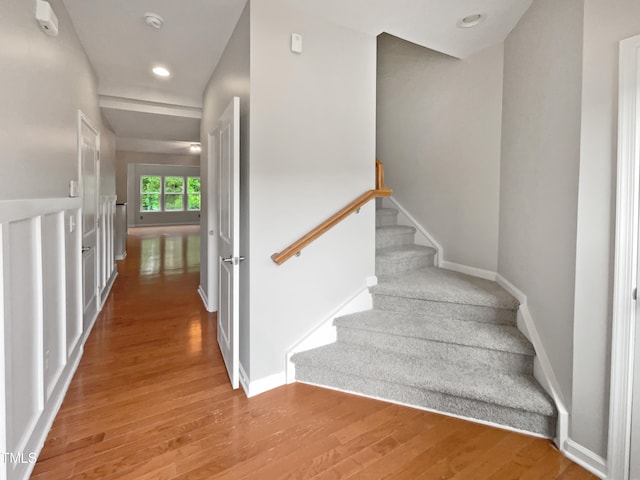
147	112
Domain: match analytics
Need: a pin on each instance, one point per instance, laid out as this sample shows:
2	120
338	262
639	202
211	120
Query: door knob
85	249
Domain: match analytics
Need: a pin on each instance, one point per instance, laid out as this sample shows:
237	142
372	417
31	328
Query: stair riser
434	353
386	219
474	313
421	398
388	239
390	266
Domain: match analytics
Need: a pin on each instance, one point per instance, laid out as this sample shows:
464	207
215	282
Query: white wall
539	171
230	78
605	24
44	81
438	134
312	152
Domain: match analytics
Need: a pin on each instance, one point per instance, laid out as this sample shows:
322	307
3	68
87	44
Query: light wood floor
151	401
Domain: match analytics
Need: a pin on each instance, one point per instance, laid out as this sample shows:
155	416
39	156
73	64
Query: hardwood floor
151	401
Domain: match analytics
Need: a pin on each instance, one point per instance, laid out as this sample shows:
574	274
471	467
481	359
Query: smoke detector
153	20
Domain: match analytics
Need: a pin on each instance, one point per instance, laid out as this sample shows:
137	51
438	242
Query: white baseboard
204	298
473	271
324	333
41	430
586	458
543	371
107	290
121	257
251	389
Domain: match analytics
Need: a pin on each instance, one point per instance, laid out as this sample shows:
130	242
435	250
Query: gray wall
44	82
125	158
312	152
605	25
230	78
439	121
539	170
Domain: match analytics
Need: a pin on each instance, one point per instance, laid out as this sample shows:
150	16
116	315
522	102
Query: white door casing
213	162
624	433
89	177
229	238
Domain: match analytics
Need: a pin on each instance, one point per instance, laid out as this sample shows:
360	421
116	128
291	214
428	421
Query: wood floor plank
151	400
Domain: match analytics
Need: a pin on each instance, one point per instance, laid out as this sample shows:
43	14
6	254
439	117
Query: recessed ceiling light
153	20
161	71
195	148
471	20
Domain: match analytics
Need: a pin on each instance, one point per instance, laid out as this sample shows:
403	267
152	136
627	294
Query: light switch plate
74	189
296	43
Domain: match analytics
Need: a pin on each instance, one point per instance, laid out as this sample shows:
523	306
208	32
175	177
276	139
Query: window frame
162	193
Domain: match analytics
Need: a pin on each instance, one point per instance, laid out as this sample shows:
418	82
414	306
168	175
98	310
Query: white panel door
229	238
89	178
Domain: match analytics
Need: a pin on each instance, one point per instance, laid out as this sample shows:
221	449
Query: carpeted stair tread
519	392
404	251
395	229
386	216
386	211
440	285
441	329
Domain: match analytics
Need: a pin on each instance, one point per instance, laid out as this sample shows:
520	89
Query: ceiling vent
153	20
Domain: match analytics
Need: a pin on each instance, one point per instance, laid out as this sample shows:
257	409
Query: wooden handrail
328	224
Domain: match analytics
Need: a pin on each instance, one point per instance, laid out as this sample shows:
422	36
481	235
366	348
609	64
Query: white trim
324	332
3	365
15	210
421	230
49	414
419	407
586	458
264	384
121	257
473	271
251	389
545	374
114	102
244	380
205	300
626	263
107	289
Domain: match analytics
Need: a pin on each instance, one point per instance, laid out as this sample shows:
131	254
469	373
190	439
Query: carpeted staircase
435	339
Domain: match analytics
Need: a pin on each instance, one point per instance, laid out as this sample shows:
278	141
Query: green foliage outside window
173	184
151	189
193	193
173	202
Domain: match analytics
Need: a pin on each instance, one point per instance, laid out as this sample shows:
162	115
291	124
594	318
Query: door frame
626	262
84	119
213	160
232	263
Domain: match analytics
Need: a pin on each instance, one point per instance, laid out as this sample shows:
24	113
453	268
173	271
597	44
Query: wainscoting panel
54	298
41	317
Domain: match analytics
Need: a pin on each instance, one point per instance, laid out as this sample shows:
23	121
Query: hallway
151	401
